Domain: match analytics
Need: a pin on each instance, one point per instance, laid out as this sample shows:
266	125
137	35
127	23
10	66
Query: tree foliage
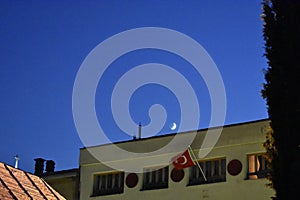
282	93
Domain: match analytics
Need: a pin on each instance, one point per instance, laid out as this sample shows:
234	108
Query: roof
18	184
172	134
69	173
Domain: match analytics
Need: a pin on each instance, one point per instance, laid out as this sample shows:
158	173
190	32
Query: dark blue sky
43	43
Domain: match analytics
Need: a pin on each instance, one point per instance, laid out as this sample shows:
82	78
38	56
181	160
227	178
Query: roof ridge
182	132
9	191
20	185
33	183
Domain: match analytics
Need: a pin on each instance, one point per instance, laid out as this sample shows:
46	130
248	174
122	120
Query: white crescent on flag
183	160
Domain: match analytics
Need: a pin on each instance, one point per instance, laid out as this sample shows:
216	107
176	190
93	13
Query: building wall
65	182
236	142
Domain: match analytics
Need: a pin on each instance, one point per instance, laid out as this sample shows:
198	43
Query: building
66	182
235	169
18	184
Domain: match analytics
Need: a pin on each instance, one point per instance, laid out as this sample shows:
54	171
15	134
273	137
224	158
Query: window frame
213	173
260	166
155	178
108	183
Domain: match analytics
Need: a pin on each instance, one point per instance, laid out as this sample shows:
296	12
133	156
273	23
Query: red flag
183	160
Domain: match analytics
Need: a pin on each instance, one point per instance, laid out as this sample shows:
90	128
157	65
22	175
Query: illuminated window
108	183
257	166
214	170
155	178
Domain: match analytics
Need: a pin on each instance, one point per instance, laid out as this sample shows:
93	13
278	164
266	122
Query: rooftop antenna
140	131
17	158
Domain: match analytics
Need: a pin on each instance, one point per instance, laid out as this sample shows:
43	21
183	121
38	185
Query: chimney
50	165
134	137
39	166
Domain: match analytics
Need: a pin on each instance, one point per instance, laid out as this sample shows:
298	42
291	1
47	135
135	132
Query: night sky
43	44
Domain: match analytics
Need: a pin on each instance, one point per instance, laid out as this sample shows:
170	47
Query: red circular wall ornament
177	175
234	167
131	180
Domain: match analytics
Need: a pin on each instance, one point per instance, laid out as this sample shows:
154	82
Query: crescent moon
174	126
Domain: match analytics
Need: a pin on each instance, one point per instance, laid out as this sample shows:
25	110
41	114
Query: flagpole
197	163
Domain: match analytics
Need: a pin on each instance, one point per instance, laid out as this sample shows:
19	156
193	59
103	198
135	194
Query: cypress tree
281	90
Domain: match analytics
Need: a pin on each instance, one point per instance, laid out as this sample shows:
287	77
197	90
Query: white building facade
235	169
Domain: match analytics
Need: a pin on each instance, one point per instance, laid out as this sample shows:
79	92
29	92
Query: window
257	166
108	183
214	170
155	178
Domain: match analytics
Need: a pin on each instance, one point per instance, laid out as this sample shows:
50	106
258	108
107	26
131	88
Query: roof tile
18	184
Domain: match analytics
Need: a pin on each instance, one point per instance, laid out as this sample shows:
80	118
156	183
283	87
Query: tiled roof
17	184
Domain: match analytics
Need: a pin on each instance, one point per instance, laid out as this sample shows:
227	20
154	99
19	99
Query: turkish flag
183	160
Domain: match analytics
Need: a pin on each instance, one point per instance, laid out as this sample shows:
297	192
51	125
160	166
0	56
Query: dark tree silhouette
282	93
